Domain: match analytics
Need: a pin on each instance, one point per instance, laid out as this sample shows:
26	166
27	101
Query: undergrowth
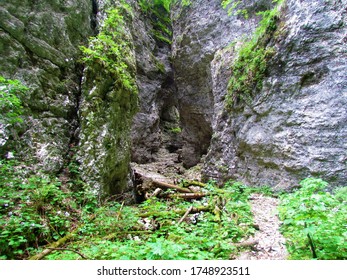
38	210
121	232
314	221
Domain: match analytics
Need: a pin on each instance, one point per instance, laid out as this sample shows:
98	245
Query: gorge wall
39	43
294	126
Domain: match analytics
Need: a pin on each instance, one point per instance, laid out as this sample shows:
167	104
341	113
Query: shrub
10	103
314	221
249	68
112	50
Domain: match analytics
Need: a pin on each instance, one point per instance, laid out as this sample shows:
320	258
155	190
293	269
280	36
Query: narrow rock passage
270	241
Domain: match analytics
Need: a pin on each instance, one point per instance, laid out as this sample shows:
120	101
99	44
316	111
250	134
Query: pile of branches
147	188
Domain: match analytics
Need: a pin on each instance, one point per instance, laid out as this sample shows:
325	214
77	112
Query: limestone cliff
200	30
39	45
108	101
295	125
113	107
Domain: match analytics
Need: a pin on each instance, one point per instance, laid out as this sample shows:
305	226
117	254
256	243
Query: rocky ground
269	242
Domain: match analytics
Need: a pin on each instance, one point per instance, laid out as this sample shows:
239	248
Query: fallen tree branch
66	249
54	245
58	243
156	193
185	215
171	186
188	183
186	195
179	212
120	212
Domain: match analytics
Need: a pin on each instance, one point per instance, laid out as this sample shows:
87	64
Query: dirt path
270	241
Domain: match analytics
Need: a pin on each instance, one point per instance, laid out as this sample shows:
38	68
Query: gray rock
199	31
105	112
156	90
39	45
296	126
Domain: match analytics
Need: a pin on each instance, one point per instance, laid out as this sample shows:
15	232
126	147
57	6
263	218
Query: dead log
186	195
54	245
66	249
58	243
187	183
179	212
144	184
167	186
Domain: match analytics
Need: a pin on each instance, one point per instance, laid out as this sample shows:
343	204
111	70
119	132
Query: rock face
157	92
296	125
108	102
39	46
111	134
200	30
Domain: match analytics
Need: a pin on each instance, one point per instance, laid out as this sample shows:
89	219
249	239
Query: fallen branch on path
167	186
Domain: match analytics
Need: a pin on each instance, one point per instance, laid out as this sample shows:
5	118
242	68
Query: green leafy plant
186	3
10	101
159	13
34	209
112	49
11	108
314	221
233	8
176	130
120	232
248	70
